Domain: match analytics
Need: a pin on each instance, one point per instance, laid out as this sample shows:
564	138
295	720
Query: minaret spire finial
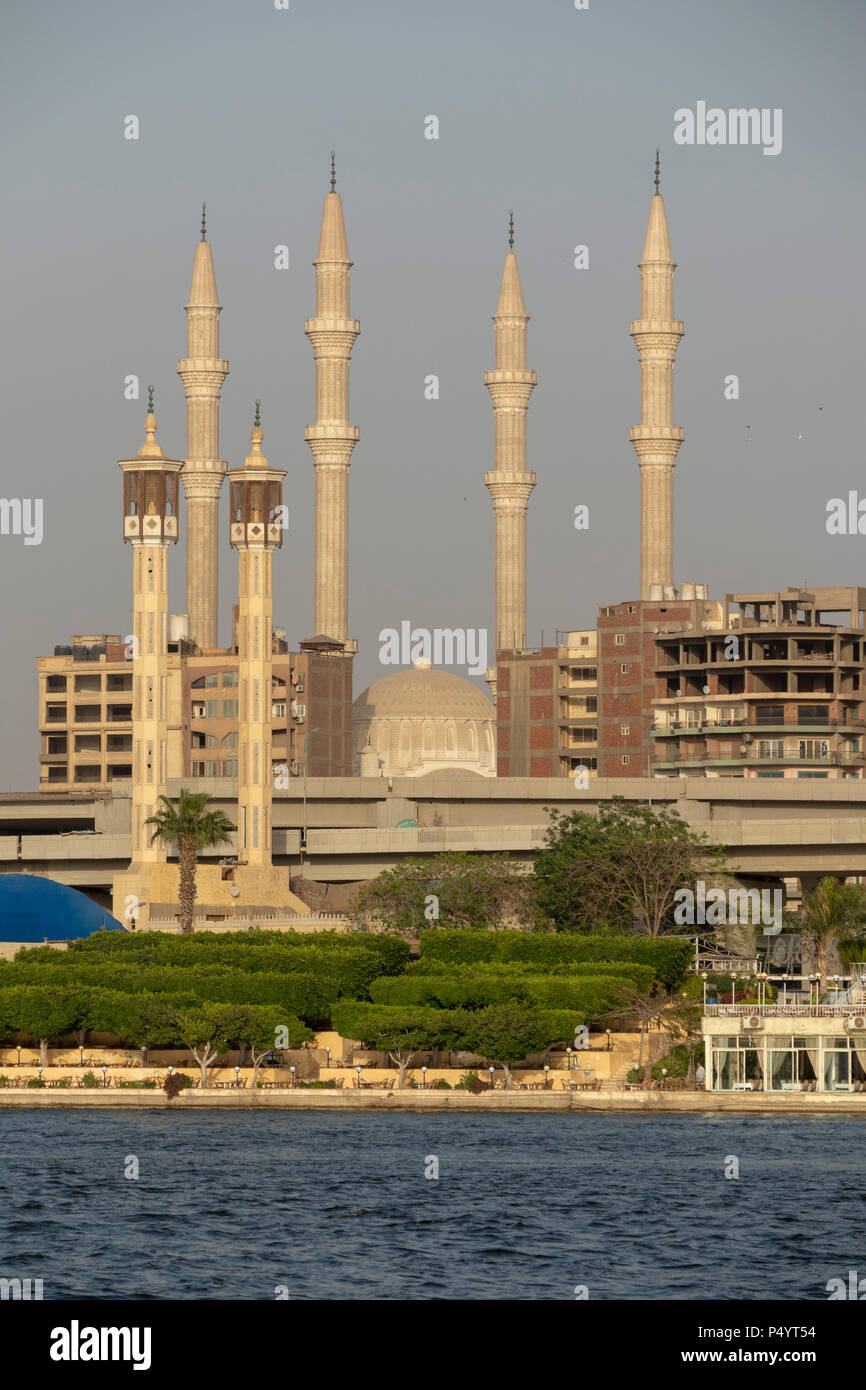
150	400
658	168
511	230
203	222
258	419
333	171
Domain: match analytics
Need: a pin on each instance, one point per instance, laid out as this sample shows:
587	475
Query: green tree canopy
451	890
621	869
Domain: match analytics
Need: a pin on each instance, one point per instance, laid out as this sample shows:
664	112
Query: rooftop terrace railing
780	1010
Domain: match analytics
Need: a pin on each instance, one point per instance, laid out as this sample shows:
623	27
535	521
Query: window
813	774
814	748
591	704
230	708
619	639
770	748
608	612
774	773
198	685
813	714
770	714
584	735
231	678
626	758
278	709
591	763
211	741
625	728
212	680
625	667
584	641
230	767
230	741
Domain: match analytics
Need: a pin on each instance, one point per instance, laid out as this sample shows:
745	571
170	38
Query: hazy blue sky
549	110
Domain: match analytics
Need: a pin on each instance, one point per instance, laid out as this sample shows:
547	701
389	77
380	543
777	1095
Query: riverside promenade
462	1102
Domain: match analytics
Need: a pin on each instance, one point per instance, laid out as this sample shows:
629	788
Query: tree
505	1034
191	826
402	1032
621	868
454	890
680	1016
43	1014
833	914
257	1026
206	1032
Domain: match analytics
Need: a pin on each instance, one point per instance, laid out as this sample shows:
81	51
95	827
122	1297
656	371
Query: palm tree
833	914
191	827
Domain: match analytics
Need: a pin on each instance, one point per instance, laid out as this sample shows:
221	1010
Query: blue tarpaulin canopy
33	909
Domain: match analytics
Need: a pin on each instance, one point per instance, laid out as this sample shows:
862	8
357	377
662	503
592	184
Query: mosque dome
38	909
422	720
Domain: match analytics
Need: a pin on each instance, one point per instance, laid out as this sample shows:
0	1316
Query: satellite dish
706	690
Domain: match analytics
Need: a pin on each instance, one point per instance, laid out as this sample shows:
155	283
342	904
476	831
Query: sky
552	111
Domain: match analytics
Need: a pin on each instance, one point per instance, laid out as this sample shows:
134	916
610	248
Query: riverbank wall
463	1102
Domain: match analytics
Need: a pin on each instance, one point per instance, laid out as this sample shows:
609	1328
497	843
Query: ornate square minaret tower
150	525
256	530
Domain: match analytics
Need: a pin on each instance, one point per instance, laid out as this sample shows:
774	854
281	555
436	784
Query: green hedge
591	996
391	951
640	976
424	1028
668	956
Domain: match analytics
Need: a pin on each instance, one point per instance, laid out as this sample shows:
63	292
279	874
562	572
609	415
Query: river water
338	1206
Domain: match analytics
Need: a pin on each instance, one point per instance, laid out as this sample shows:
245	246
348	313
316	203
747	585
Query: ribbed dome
425	692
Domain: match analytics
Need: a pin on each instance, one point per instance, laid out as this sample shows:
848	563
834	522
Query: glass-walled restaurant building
791	1047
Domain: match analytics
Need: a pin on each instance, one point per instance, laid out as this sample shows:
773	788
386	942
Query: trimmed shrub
668	956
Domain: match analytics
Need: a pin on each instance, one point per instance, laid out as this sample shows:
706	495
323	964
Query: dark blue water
337	1206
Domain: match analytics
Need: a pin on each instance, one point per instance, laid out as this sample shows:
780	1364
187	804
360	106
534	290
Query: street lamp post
490	1069
607	1031
237	1076
546	1075
358	1070
104	1070
305	752
423	1078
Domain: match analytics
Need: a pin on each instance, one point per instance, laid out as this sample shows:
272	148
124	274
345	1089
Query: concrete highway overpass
769	828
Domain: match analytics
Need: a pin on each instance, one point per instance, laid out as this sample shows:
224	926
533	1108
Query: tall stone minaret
510	483
657	439
255	532
203	372
149	524
332	334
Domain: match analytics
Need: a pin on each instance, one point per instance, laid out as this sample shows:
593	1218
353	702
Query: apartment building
776	693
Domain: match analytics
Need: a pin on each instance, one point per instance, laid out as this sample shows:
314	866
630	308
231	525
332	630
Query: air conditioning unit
855	1023
299	687
751	1023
